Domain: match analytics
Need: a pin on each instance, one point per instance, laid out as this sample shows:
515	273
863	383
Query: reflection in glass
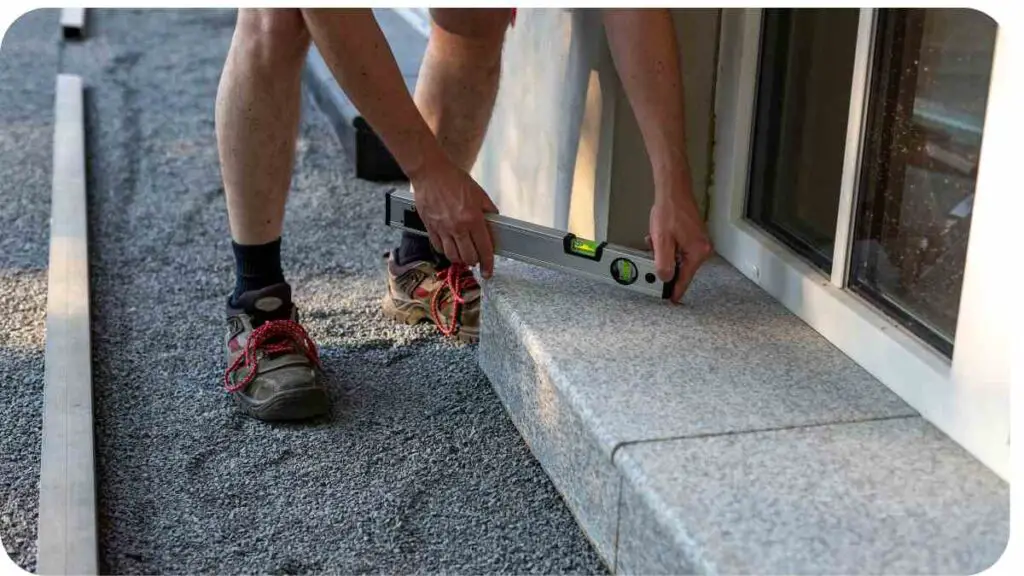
803	101
925	119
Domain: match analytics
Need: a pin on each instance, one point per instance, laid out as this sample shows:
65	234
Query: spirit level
555	249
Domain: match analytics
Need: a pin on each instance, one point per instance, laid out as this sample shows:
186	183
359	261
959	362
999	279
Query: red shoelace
455	277
271	337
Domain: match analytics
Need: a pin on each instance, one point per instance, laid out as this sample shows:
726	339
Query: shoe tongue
270	302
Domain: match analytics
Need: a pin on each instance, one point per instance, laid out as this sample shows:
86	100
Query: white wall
632	183
563	148
552	110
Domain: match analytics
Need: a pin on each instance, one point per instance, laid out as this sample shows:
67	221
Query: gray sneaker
273	366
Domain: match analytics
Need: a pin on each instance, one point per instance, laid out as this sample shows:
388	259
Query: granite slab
635	368
557	435
891	496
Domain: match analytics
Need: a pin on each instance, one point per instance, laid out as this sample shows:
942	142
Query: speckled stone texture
890	496
554	430
740	440
731	360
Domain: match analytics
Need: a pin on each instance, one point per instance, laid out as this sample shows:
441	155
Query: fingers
482	237
487	205
490	207
435	242
687	270
485	248
694	256
467	250
451	251
664	256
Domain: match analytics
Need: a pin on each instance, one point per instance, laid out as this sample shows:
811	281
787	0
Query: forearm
358	55
646	56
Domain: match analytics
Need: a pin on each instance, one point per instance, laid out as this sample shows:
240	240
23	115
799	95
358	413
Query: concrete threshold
726	436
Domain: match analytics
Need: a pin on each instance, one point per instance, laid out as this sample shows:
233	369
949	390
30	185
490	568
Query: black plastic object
373	160
412	221
666	291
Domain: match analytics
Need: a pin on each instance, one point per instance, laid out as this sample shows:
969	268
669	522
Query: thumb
488	205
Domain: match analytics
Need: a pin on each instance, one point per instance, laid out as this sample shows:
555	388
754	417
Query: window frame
967	397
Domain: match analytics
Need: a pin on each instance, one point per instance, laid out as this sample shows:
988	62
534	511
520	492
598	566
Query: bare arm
451	204
358	55
646	55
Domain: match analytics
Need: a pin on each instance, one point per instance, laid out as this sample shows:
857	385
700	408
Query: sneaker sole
299	404
413	313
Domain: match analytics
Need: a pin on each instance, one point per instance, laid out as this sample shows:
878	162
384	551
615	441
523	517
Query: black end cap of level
666	290
412	221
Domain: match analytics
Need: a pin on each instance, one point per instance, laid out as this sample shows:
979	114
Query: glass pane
803	100
930	83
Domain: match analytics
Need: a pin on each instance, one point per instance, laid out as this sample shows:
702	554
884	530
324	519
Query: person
434	136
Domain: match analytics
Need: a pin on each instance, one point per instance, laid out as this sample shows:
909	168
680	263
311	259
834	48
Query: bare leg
257	119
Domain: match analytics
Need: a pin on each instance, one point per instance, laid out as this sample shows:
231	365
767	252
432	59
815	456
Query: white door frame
968	397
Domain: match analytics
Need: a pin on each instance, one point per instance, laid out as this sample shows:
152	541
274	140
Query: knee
272	36
473	23
477	25
476	33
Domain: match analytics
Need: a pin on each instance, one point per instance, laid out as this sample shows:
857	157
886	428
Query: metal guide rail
630	269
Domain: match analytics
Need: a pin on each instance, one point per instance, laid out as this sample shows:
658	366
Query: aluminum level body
623	267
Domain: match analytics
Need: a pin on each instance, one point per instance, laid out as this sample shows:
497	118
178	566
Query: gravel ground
417	469
28	66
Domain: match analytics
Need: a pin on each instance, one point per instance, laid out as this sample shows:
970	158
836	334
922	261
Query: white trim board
968	398
855	126
67	485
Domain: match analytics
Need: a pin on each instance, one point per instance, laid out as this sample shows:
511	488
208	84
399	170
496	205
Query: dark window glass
926	114
803	101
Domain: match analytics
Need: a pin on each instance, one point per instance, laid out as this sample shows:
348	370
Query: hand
452	206
677	234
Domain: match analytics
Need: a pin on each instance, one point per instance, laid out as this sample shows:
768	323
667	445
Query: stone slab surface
731	359
556	434
741	440
891	496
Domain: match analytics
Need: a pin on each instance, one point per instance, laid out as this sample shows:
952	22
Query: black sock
256	266
416	248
